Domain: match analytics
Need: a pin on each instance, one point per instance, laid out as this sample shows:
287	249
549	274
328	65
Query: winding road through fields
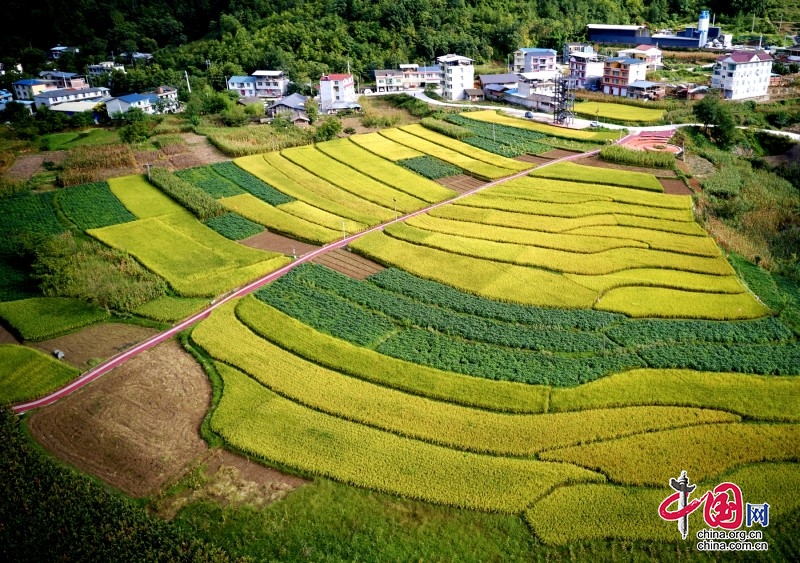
106	366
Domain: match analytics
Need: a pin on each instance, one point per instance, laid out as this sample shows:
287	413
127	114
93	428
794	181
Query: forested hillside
306	38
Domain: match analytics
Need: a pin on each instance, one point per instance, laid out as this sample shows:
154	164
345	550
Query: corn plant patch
594	175
27	374
631	157
196	200
90	206
619	112
500	139
39	318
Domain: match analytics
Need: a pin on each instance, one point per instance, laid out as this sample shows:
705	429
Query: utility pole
188	86
148	166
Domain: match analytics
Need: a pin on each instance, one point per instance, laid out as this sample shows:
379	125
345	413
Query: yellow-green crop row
297	182
455	426
491	116
528	186
278	220
594	175
654	277
384	147
398	177
319	216
654	458
561	224
472	152
663	302
660	240
195	260
476	167
555	241
141	198
753	396
168	308
582	513
260	422
349	179
27	374
574	209
597	263
618	111
364	363
487	278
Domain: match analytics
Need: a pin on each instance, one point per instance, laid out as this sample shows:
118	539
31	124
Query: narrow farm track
103	368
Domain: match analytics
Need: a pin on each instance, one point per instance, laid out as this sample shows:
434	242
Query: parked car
529	114
594	124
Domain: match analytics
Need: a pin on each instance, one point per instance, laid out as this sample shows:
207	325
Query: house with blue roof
148	103
52	97
27	88
620	72
532	59
270	84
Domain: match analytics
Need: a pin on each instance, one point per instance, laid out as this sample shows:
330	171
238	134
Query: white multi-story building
337	92
52	97
531	59
742	74
620	72
389	81
409	77
650	54
587	69
106	66
458	74
270	84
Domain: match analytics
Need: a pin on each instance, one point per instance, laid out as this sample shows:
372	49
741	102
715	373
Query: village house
458	74
163	100
337	93
646	90
587	69
58	50
408	77
63	79
531	59
51	97
27	88
648	53
292	107
269	84
106	66
620	72
389	81
742	74
495	85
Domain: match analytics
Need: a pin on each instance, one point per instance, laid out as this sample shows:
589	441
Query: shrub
194	199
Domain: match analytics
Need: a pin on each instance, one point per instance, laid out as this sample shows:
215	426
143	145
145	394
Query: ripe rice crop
141	198
195	200
674	242
474	167
528	185
279	221
621	112
384	171
193	259
348	179
652	301
468	150
575	209
213	184
430	167
170	309
658	277
598	263
321	217
27	213
583	513
234	227
250	183
594	175
645	331
27	374
39	318
654	458
320	348
92	205
753	396
487	278
259	422
384	147
304	186
646	159
772	358
560	241
492	116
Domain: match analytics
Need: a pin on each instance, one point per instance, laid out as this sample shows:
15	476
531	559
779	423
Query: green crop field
39	318
90	206
27	374
620	112
72	139
141	198
490	116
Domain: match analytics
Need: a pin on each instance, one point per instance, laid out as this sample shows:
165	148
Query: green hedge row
194	199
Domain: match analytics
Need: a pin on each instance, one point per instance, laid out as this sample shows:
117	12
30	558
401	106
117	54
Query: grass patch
27	374
72	139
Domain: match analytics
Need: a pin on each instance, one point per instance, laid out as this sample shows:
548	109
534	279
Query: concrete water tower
702	28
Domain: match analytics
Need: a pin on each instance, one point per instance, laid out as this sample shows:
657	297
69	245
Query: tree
706	109
312	110
711	110
327	130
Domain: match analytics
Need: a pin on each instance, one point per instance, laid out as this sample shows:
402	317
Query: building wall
742	80
336	91
455	79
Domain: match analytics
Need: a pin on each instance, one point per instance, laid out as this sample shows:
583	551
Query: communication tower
564	100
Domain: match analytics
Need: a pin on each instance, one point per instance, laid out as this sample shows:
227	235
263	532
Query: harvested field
674	186
349	264
6	337
137	427
595	160
25	167
86	347
460	183
278	243
558	153
203	151
537	160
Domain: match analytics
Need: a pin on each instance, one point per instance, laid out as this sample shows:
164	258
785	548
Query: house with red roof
742	74
337	93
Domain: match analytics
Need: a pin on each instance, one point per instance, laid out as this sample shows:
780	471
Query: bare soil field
349	264
558	153
278	243
595	160
460	183
137	426
86	347
674	186
24	167
533	159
